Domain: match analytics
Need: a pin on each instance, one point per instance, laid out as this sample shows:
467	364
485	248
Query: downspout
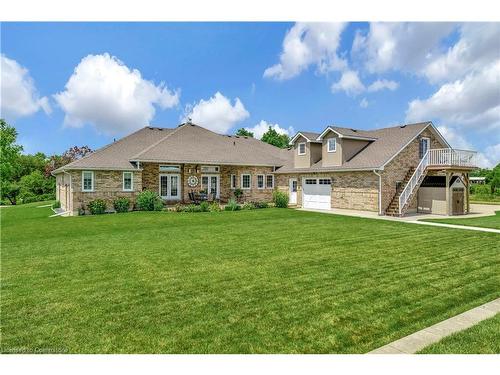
379	191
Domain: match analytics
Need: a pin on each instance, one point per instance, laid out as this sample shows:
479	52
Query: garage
317	193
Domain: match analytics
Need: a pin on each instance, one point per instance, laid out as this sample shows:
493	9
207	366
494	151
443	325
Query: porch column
467	192
447	187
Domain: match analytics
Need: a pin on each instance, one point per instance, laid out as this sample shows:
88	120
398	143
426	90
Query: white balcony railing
444	157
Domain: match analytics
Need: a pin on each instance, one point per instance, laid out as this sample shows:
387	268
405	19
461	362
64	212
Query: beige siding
331	158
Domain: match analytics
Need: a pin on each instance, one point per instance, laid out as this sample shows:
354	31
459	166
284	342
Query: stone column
467	192
447	187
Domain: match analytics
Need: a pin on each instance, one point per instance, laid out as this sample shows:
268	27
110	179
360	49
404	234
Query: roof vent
403	126
354	130
234	143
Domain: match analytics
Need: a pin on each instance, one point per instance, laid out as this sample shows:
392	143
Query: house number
192	181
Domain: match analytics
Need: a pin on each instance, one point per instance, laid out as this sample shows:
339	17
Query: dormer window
302	148
332	144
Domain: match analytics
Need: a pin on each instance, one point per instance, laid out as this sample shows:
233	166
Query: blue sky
230	75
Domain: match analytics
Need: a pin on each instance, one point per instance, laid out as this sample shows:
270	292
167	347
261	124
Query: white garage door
317	193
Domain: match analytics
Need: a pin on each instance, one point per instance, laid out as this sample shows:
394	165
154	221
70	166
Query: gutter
379	191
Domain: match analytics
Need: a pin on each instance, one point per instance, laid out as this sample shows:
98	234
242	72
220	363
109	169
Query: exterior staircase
393	208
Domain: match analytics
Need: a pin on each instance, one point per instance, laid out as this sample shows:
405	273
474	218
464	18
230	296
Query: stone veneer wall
350	190
150	180
108	185
397	169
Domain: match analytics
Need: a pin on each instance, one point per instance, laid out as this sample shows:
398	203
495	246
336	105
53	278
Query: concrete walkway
427	336
477	210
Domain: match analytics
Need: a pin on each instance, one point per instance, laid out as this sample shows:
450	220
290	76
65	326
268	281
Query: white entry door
210	182
293	190
170	186
317	193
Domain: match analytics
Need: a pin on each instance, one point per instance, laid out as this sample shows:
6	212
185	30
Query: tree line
26	178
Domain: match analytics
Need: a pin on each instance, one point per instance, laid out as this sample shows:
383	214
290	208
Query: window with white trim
270	181
332	144
87	181
128	181
302	148
260	181
246	181
233	181
169	168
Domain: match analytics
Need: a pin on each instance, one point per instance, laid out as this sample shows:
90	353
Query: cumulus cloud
307	44
19	96
217	113
471	101
104	92
399	46
263	126
382	84
350	83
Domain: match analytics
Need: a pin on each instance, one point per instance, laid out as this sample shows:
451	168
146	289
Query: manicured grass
483	338
484	221
261	281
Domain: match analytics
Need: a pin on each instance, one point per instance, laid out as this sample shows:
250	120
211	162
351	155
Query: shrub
232	206
179	208
260	204
30	197
56	204
204	206
97	207
214	207
238	193
149	201
192	208
280	199
121	204
248	206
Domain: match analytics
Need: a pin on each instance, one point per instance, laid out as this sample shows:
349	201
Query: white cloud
381	84
19	96
492	155
350	83
477	47
363	103
217	113
471	101
308	44
104	92
399	46
263	126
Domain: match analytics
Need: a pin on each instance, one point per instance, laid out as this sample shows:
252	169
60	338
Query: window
325	181
87	181
332	144
260	181
423	146
170	168
310	181
233	181
270	181
209	169
127	181
302	148
246	181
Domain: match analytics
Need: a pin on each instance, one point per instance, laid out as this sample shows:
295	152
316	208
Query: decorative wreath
192	181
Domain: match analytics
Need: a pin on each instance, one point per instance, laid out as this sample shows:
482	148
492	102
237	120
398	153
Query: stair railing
413	182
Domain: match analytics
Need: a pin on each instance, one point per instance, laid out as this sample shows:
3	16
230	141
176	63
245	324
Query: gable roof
188	143
386	144
309	136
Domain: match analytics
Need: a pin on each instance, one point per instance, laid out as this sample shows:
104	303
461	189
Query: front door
210	183
170	186
457	197
293	190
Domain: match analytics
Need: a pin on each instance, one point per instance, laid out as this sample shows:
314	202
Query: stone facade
397	169
108	185
350	190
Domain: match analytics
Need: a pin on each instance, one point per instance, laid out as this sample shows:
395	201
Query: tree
9	153
274	138
494	179
70	155
36	187
242	132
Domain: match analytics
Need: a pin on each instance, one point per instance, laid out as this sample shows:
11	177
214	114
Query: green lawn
261	281
485	221
483	338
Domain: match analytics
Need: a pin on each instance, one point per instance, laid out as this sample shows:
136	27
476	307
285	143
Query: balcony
449	158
